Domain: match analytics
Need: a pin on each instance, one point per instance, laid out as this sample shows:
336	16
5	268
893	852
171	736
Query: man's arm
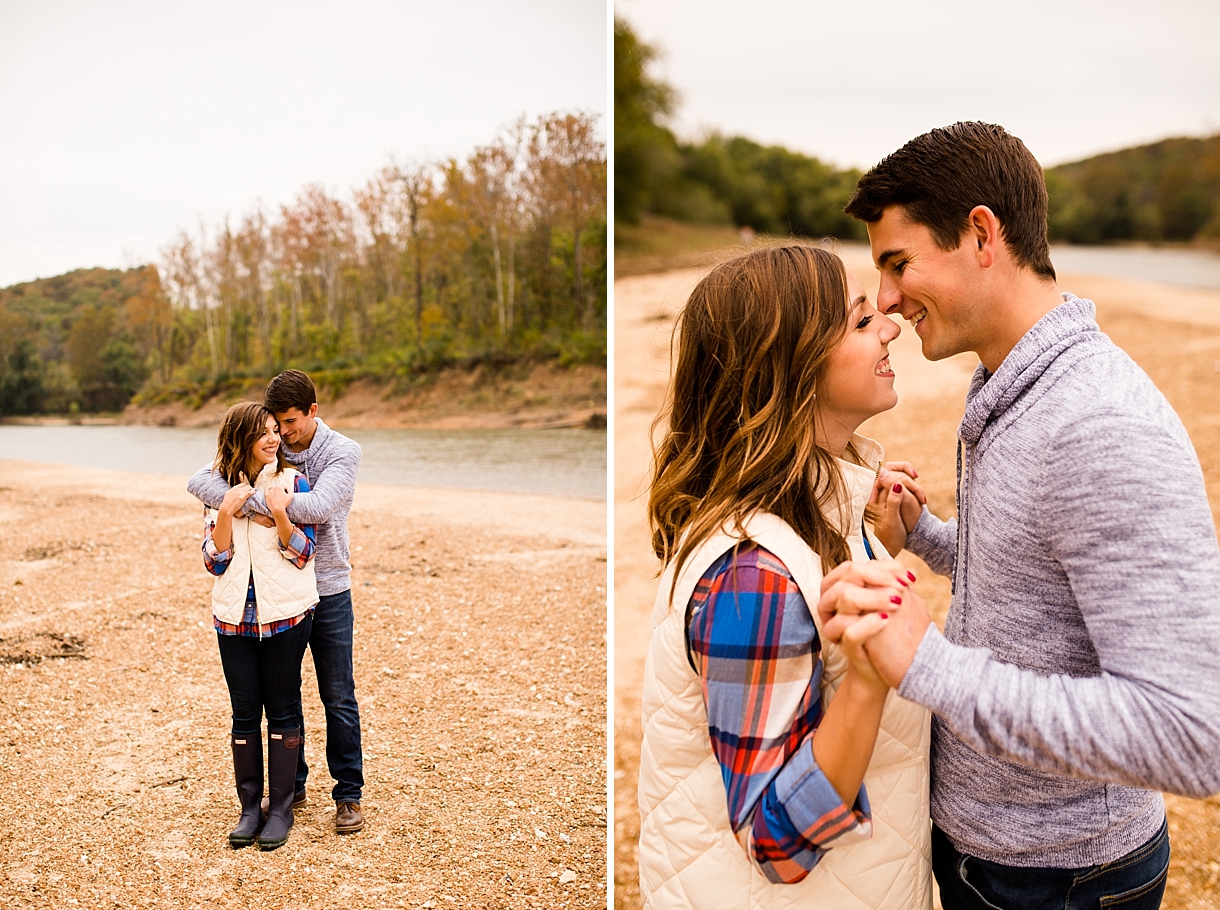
208	487
332	487
1123	510
934	541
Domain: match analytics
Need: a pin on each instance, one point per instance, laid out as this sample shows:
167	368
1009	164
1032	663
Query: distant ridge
1163	191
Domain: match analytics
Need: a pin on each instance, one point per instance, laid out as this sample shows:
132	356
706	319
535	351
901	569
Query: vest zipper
258	620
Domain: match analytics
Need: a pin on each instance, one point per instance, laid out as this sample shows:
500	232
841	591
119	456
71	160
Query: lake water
554	462
1193	268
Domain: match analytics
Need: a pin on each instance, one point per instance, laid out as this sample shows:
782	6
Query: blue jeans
264	673
1132	882
330	642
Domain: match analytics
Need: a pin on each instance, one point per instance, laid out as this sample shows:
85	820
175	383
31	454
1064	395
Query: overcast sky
123	122
850	82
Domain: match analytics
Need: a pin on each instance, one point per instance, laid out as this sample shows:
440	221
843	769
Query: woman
262	603
754	781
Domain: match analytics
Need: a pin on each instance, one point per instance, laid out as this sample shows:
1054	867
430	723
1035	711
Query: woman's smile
268	444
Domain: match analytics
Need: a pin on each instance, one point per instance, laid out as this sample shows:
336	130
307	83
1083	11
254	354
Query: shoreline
470	497
535	396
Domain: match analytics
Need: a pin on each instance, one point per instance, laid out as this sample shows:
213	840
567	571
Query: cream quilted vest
689	856
281	589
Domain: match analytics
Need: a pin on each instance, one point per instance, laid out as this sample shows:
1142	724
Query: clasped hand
901	500
278	499
869	609
236	498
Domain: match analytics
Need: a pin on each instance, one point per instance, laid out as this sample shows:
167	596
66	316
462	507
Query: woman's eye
863	323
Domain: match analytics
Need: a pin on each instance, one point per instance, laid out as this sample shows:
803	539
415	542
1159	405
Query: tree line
496	257
1166	191
719	179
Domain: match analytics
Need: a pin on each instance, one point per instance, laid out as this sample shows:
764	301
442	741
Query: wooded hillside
1166	191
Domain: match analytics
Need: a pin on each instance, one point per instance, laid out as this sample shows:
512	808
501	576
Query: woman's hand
861	586
236	498
901	500
278	499
854	591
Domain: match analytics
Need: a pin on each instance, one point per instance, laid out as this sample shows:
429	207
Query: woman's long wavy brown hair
241	428
752	344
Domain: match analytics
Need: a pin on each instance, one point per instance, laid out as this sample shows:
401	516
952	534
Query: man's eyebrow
887	256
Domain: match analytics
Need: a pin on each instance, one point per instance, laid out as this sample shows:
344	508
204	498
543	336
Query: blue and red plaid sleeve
300	547
215	561
757	652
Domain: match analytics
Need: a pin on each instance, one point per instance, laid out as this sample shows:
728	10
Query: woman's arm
215	560
297	542
277	499
792	775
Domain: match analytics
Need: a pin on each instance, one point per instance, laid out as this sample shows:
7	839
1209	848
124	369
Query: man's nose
889	298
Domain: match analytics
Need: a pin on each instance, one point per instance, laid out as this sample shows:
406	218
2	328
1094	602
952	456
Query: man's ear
313	410
983	231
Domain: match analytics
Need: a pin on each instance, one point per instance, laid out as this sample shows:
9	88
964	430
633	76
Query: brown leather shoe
348	818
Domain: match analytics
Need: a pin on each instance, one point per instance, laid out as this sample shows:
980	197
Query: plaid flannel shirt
299	550
756	649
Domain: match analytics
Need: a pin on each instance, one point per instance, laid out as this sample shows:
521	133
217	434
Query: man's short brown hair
290	389
939	177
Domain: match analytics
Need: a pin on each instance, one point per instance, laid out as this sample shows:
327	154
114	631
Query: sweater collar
991	394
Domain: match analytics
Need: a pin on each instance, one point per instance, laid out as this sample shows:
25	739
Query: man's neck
1018	311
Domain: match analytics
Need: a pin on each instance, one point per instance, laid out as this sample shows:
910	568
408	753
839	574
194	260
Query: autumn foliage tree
497	256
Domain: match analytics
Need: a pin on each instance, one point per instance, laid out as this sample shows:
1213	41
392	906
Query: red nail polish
885	615
895	600
903	582
910	575
897	488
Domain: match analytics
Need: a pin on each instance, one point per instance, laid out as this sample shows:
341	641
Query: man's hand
893	649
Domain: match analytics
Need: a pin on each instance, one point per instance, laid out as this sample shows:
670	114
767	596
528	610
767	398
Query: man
1079	671
329	461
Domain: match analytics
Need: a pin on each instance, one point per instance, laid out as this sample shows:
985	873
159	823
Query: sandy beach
1172	332
480	668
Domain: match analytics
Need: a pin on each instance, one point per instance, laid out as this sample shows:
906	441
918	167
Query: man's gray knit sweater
1079	670
329	464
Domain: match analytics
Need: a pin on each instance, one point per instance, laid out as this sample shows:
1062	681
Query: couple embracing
811	739
276	502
